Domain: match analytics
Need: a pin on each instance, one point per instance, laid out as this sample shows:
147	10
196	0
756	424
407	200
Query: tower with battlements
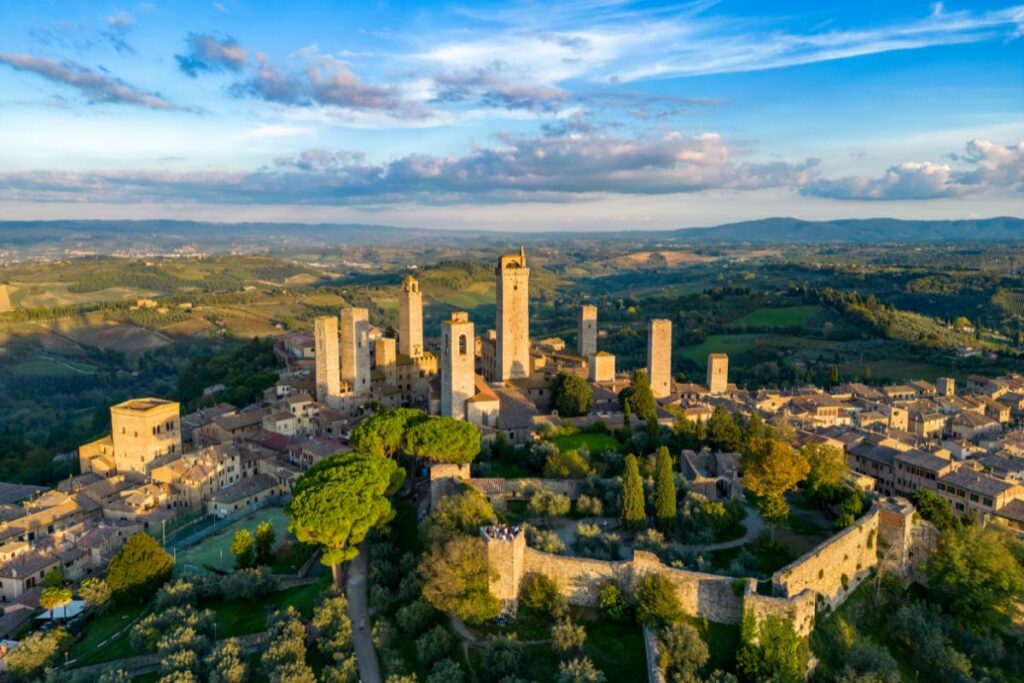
718	373
659	357
586	339
512	360
458	358
410	318
325	348
355	348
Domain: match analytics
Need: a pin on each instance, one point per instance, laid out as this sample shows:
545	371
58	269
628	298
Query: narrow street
359	613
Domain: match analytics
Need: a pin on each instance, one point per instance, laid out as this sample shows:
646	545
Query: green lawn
786	316
239	618
723	641
215	551
91	648
596	443
48	367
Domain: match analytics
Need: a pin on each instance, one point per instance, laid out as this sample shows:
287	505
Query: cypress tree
664	491
634	516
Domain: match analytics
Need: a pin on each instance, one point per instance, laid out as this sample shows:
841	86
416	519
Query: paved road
359	613
755	526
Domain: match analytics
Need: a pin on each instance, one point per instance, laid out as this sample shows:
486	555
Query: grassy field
239	618
93	648
787	316
595	443
476	294
215	551
899	370
50	367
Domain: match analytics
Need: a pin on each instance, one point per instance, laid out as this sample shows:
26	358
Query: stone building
601	367
659	357
458	362
410	318
143	430
586	341
386	359
718	373
328	368
355	348
512	357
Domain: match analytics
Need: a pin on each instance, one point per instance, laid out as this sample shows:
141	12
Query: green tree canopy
639	398
664	491
266	537
572	395
778	655
657	604
444	439
384	433
139	568
724	434
463	513
456	579
244	549
935	509
634	514
977	576
828	468
339	500
771	468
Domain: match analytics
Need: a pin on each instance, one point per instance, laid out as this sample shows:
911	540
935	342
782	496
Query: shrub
544	540
567	465
589	506
446	671
35	653
249	584
579	670
540	593
612	601
546	503
567	636
657	602
502	657
682	653
433	645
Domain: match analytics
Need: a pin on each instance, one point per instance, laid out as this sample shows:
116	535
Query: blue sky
588	114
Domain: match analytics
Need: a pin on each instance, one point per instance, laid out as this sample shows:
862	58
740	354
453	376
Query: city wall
821	579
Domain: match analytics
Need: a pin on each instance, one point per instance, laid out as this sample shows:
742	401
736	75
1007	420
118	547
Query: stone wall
799	609
834	568
703	595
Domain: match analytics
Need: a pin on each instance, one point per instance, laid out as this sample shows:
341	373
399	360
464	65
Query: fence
219	524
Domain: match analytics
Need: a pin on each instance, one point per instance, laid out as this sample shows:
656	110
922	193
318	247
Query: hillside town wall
813	581
836	567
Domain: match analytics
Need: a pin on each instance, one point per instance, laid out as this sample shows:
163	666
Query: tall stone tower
410	318
355	348
458	358
586	339
325	347
659	357
384	352
513	324
718	373
946	386
142	430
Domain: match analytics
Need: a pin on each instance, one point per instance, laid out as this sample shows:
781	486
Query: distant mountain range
108	236
869	230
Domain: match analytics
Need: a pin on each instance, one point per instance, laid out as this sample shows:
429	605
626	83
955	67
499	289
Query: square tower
946	386
142	430
458	360
718	373
512	359
325	349
602	367
355	349
586	339
410	318
384	351
659	357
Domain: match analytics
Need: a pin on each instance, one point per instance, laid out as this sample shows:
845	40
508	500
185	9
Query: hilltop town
760	511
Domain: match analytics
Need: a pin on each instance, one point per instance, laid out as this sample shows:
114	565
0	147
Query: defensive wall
821	579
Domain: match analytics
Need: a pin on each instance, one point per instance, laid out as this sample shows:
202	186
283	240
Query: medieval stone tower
659	357
328	370
586	340
718	373
355	348
513	324
458	358
384	354
410	318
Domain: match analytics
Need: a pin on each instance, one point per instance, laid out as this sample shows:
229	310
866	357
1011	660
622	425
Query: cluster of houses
158	467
